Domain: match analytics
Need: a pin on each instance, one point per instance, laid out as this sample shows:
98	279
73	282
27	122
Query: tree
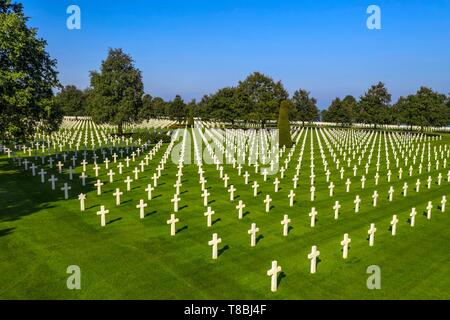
190	113
117	90
425	108
160	107
177	109
341	111
304	107
27	77
72	101
374	105
222	105
284	128
147	110
260	97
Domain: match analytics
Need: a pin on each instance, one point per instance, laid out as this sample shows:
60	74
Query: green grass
41	235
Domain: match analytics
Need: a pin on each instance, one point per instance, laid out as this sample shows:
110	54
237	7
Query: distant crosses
175	200
99	184
291	198
231	190
214	243
255	188
429	207
285	222
205	195
141	206
394	225
128	181
443	202
240	208
252	232
52	181
313	215
336	208
313	257
149	190
371	233
331	187
66	189
208	214
172	221
344	243
405	189
391	193
375	197
82	197
117	194
102	213
412	216
357	202
267	202
273	274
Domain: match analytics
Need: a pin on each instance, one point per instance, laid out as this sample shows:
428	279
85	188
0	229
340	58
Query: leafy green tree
117	90
284	128
341	111
259	97
222	105
425	108
177	109
72	101
147	110
191	106
160	107
304	107
27	77
374	105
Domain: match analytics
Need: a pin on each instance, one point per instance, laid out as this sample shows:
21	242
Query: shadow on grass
259	238
281	276
6	232
114	220
215	221
222	250
181	229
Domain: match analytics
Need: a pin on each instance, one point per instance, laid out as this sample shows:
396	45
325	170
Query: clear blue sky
192	48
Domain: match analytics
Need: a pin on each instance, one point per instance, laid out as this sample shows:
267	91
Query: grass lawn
41	235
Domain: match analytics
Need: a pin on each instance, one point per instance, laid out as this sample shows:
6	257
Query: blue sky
193	48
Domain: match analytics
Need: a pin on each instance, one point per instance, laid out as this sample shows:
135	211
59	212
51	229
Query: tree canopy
304	107
72	101
27	77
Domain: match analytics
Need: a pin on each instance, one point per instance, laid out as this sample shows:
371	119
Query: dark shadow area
185	191
181	208
159	195
215	221
211	201
259	238
181	229
290	228
150	213
281	276
114	220
245	214
5	232
222	250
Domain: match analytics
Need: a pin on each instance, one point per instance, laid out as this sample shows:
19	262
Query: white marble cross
371	233
391	192
273	274
205	197
276	182
52	181
394	225
357	202
231	190
347	185
417	185
405	189
336	208
117	194
429	207
208	215
285	222
295	179
83	178
291	198
42	173
141	206
240	208
102	213
128	181
313	215
375	197
175	200
214	243
111	175
413	217
172	221
252	232
99	184
66	189
443	202
267	201
363	182
255	188
177	186
82	197
331	187
344	243
312	190
246	175
225	180
313	257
